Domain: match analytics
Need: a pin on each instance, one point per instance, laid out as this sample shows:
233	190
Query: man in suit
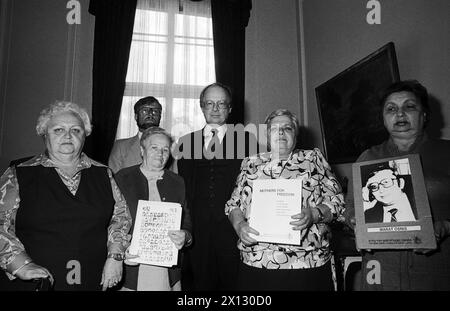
209	164
387	188
126	152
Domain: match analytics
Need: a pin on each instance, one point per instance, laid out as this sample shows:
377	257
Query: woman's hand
178	237
441	231
305	219
112	273
33	271
244	231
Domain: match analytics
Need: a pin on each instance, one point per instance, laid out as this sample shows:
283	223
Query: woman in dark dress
405	114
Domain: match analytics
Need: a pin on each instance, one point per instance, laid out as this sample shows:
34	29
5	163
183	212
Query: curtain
172	59
230	18
113	31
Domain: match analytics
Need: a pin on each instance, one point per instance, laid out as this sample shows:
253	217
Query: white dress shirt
404	210
208	134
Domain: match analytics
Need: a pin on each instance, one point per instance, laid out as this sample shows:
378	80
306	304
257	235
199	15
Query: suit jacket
374	214
134	187
125	153
189	169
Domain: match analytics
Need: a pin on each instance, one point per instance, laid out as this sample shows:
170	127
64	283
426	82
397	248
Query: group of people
68	219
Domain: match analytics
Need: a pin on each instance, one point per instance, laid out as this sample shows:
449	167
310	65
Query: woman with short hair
271	266
150	181
62	216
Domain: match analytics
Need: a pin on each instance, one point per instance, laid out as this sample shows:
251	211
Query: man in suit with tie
210	168
385	190
126	152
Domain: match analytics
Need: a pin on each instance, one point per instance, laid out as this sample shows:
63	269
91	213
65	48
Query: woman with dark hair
406	113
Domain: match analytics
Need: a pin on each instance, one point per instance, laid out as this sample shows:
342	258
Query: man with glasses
127	152
385	192
210	174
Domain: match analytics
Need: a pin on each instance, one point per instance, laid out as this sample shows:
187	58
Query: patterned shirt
320	186
12	249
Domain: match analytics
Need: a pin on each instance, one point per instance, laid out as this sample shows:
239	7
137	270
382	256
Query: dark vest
60	230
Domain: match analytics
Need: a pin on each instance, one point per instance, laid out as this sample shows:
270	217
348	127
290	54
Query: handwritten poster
151	242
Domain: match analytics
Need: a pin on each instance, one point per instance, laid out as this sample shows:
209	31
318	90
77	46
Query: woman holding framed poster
406	113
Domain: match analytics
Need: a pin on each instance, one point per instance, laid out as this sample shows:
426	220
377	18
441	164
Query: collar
272	157
400	207
44	160
393	149
221	130
151	175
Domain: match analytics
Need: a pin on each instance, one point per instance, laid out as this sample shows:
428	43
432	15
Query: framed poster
349	112
391	204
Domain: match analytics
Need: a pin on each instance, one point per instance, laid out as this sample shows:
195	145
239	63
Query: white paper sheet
274	201
150	238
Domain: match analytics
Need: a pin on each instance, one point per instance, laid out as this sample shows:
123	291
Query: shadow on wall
436	123
305	139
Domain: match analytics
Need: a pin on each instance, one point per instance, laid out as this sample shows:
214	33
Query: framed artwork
349	112
391	204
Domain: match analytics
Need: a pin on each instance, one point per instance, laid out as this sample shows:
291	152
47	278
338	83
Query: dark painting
349	111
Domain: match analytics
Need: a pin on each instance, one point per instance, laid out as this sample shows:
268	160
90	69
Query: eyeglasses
147	111
386	183
209	105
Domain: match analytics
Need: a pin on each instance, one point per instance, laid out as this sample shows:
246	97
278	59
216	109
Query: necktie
214	140
212	144
393	211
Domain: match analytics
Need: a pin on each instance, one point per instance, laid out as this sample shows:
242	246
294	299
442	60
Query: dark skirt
261	279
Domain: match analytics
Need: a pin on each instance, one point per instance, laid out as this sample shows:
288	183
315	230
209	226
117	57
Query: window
172	59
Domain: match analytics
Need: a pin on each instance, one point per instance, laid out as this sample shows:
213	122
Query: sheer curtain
172	59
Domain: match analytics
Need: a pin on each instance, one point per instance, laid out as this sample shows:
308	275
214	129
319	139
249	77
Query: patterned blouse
320	186
12	249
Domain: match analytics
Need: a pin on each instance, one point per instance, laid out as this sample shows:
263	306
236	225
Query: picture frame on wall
391	204
348	103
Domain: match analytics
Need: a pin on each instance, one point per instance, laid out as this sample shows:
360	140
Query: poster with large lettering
151	242
391	204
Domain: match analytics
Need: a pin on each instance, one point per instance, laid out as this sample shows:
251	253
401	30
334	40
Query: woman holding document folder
150	181
304	265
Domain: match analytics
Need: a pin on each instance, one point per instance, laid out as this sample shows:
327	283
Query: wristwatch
320	215
116	256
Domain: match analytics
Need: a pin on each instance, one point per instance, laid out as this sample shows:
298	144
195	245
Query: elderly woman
406	113
62	215
150	181
268	266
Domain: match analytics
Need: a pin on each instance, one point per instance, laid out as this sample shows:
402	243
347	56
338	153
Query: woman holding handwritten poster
150	181
406	113
273	266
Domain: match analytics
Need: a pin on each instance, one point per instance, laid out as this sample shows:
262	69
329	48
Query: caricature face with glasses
385	186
